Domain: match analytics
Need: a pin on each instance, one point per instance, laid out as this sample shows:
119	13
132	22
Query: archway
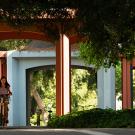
37	97
34	93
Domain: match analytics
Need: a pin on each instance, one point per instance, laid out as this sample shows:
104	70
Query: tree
118	81
83	89
42	91
108	26
13	44
111	32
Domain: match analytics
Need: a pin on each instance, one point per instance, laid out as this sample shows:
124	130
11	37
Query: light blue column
106	88
12	71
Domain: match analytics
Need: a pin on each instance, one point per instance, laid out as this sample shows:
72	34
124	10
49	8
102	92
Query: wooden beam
23	35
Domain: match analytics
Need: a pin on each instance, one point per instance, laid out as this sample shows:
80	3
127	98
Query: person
4	87
5	93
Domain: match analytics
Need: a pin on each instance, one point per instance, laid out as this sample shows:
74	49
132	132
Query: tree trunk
40	104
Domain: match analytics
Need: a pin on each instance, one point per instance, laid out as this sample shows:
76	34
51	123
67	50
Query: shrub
95	118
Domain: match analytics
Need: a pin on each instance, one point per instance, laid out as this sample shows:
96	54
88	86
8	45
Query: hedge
95	118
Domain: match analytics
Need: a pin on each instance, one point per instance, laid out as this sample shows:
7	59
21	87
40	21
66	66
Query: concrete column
63	76
106	88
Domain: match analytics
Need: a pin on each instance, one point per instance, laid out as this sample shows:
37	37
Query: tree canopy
107	25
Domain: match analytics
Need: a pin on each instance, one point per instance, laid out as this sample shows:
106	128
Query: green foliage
33	120
13	44
133	87
83	89
118	81
98	55
44	82
110	30
95	118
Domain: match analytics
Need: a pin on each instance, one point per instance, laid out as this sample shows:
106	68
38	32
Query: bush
95	118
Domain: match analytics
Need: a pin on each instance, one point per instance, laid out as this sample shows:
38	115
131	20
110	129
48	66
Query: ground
45	131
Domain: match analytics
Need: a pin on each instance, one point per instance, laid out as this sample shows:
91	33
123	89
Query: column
106	88
63	76
126	84
10	80
14	103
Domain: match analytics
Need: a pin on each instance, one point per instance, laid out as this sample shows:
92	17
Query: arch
44	67
28	101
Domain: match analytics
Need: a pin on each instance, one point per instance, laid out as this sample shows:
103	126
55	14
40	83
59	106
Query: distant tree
13	44
43	93
118	81
83	90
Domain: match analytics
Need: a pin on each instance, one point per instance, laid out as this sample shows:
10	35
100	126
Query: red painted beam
4	35
75	39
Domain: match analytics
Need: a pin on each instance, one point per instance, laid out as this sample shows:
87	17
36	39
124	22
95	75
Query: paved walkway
41	131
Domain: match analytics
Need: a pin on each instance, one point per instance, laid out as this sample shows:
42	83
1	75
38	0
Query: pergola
62	64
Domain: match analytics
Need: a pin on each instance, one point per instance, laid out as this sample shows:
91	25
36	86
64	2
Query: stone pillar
63	76
106	88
